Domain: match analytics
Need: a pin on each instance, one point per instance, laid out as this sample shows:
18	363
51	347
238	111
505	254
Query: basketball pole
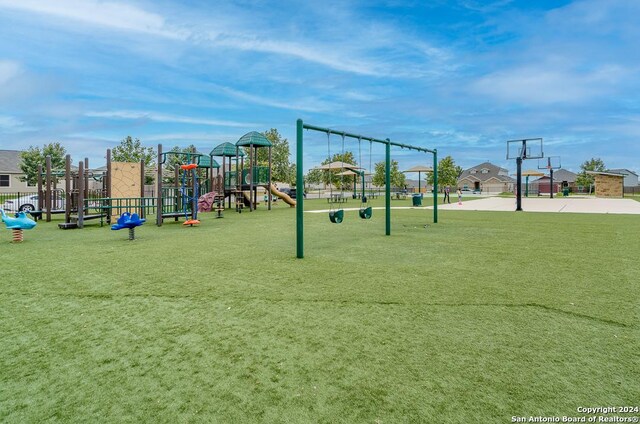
550	180
519	183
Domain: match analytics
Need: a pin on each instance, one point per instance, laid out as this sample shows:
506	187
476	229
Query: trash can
417	200
565	191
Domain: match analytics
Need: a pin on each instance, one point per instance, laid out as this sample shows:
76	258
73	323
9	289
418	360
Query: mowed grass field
481	317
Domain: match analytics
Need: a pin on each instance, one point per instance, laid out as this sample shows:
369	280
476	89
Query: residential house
11	176
630	177
561	179
486	178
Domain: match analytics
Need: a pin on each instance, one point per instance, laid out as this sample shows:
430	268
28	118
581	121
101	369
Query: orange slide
285	197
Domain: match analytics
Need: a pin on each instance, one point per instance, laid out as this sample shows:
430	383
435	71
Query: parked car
29	203
21	204
291	192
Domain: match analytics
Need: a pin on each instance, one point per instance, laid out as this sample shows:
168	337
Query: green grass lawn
481	317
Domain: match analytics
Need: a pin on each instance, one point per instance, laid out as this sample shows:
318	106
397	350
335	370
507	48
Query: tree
315	176
280	165
594	164
35	156
330	177
175	160
397	178
131	150
448	173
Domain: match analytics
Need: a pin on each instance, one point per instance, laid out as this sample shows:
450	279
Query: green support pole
387	183
435	186
526	185
300	192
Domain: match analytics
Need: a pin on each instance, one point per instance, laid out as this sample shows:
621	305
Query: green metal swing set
337	215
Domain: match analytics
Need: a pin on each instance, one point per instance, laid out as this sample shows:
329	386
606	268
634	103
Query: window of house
465	187
485	171
4	181
473	171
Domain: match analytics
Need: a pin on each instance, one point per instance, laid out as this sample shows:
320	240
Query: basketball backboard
549	162
529	148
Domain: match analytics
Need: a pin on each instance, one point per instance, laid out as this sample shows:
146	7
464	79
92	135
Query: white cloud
160	117
9	123
205	137
330	56
114	15
546	85
376	49
8	71
309	105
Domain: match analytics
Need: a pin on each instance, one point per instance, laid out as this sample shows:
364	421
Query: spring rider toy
130	221
17	224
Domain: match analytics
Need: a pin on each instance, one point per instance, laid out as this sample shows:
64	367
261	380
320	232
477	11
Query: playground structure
179	200
122	188
242	183
52	200
301	126
122	185
17	224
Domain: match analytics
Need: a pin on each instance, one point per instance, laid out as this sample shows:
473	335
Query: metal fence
19	200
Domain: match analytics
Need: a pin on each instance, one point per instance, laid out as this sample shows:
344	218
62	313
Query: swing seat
336	216
189	167
191	222
365	213
364	199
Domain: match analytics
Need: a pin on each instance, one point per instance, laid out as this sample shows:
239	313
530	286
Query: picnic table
337	198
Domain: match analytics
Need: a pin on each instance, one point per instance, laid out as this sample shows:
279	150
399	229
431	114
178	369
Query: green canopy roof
254	138
205	162
226	149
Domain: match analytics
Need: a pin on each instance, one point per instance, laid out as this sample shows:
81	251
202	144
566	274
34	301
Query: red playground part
191	222
189	167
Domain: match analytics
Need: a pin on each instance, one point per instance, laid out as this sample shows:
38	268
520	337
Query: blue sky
461	76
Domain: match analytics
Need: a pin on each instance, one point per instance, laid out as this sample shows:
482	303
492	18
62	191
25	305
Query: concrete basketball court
545	204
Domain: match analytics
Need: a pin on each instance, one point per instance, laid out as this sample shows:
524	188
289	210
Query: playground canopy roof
532	173
254	138
226	149
347	173
205	162
338	165
419	168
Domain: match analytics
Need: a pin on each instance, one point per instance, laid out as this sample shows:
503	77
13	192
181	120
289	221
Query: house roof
493	171
623	171
10	161
561	175
611	174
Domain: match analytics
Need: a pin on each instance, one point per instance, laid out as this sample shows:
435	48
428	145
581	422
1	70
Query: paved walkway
558	204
